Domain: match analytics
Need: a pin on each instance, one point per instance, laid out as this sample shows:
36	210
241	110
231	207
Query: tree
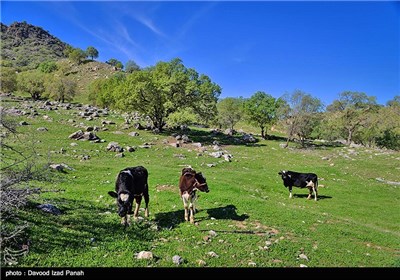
32	82
101	91
229	112
182	117
301	115
61	88
77	55
92	52
119	65
116	63
166	88
394	102
261	110
131	66
8	79
352	108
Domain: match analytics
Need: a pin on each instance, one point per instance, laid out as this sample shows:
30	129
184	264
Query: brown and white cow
131	184
189	182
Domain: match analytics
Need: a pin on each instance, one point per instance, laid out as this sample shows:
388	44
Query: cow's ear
280	173
113	194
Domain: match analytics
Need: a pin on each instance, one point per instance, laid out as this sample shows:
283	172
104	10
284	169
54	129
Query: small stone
147	255
177	260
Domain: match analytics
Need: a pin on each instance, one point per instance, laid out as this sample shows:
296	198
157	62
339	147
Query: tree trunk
262	132
349	136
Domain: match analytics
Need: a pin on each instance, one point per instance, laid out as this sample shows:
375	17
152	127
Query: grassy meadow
246	220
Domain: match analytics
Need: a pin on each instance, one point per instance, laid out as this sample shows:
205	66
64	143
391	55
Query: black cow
131	184
301	180
189	182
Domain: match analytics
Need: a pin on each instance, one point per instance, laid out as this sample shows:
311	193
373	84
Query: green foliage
390	140
116	63
8	80
261	110
230	112
61	88
77	55
395	101
32	82
102	91
182	117
68	50
353	108
48	67
301	115
92	52
131	66
164	89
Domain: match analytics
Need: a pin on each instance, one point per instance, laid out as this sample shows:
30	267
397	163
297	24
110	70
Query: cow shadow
170	220
320	197
226	213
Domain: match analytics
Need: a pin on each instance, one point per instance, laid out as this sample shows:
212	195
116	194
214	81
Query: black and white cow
131	184
301	180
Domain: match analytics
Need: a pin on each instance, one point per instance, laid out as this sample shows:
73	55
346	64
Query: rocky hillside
27	45
85	73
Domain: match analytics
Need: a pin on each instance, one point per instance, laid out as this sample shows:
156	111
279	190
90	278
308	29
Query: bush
48	67
389	140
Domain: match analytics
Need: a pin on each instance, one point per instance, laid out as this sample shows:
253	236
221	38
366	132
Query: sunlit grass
353	224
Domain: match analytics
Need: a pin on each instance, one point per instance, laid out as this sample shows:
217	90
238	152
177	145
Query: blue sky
321	48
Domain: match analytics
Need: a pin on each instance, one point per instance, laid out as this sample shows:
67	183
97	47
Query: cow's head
124	202
284	174
201	183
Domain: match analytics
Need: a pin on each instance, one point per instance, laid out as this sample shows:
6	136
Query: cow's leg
315	193
125	220
310	186
191	207
186	206
138	200
290	191
146	200
194	199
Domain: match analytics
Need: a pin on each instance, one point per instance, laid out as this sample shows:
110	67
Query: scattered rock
304	257
134	133
212	254
146	255
60	167
114	147
177	260
201	263
49	208
42	129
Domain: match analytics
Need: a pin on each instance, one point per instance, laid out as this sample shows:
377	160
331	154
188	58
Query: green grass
355	223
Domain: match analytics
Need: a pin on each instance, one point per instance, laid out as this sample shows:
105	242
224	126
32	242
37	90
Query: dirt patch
170	188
